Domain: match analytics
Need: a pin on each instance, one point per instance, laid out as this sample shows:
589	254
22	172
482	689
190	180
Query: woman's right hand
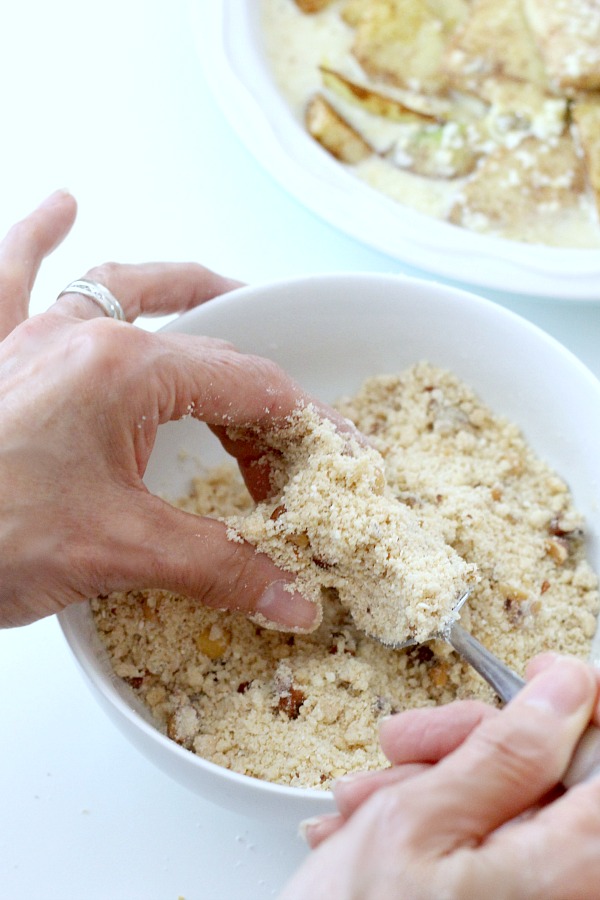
472	806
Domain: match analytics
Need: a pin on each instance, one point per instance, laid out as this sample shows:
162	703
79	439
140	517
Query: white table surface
109	101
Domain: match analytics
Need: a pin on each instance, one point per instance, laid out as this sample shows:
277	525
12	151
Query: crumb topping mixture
339	525
303	709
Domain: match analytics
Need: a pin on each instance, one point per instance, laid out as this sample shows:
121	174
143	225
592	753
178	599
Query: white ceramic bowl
331	332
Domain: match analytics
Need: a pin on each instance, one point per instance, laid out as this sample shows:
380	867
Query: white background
109	101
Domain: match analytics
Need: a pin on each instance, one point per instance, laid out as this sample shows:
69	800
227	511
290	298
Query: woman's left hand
81	398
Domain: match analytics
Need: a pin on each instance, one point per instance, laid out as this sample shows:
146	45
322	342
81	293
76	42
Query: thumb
159	546
508	762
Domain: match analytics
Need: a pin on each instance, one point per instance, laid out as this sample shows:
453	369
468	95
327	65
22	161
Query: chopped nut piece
322	563
150	609
558	549
439	674
290	702
183	725
379	482
213	642
424	654
561	526
302	541
289	697
516	594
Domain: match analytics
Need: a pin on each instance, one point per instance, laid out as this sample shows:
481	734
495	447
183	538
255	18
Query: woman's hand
81	397
472	806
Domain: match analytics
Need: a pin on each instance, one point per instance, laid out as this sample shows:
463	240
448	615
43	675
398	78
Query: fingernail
540	662
282	605
313	825
348	781
305	826
559	687
349	778
54	198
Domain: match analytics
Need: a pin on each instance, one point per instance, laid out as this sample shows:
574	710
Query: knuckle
269	370
520	751
106	347
466	873
258	377
32	330
237	578
233	576
106	273
283	391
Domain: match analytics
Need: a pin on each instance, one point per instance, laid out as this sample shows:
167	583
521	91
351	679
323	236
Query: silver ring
109	304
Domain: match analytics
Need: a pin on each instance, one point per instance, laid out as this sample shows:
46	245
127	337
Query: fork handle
505	682
585	762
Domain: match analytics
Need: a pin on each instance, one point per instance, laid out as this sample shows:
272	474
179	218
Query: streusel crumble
303	709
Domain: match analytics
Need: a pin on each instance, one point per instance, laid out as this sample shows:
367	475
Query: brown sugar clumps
302	710
337	524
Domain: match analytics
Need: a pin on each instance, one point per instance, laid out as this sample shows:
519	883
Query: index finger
507	764
429	734
22	251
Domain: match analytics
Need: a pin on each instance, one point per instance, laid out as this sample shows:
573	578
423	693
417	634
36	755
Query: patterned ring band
99	294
